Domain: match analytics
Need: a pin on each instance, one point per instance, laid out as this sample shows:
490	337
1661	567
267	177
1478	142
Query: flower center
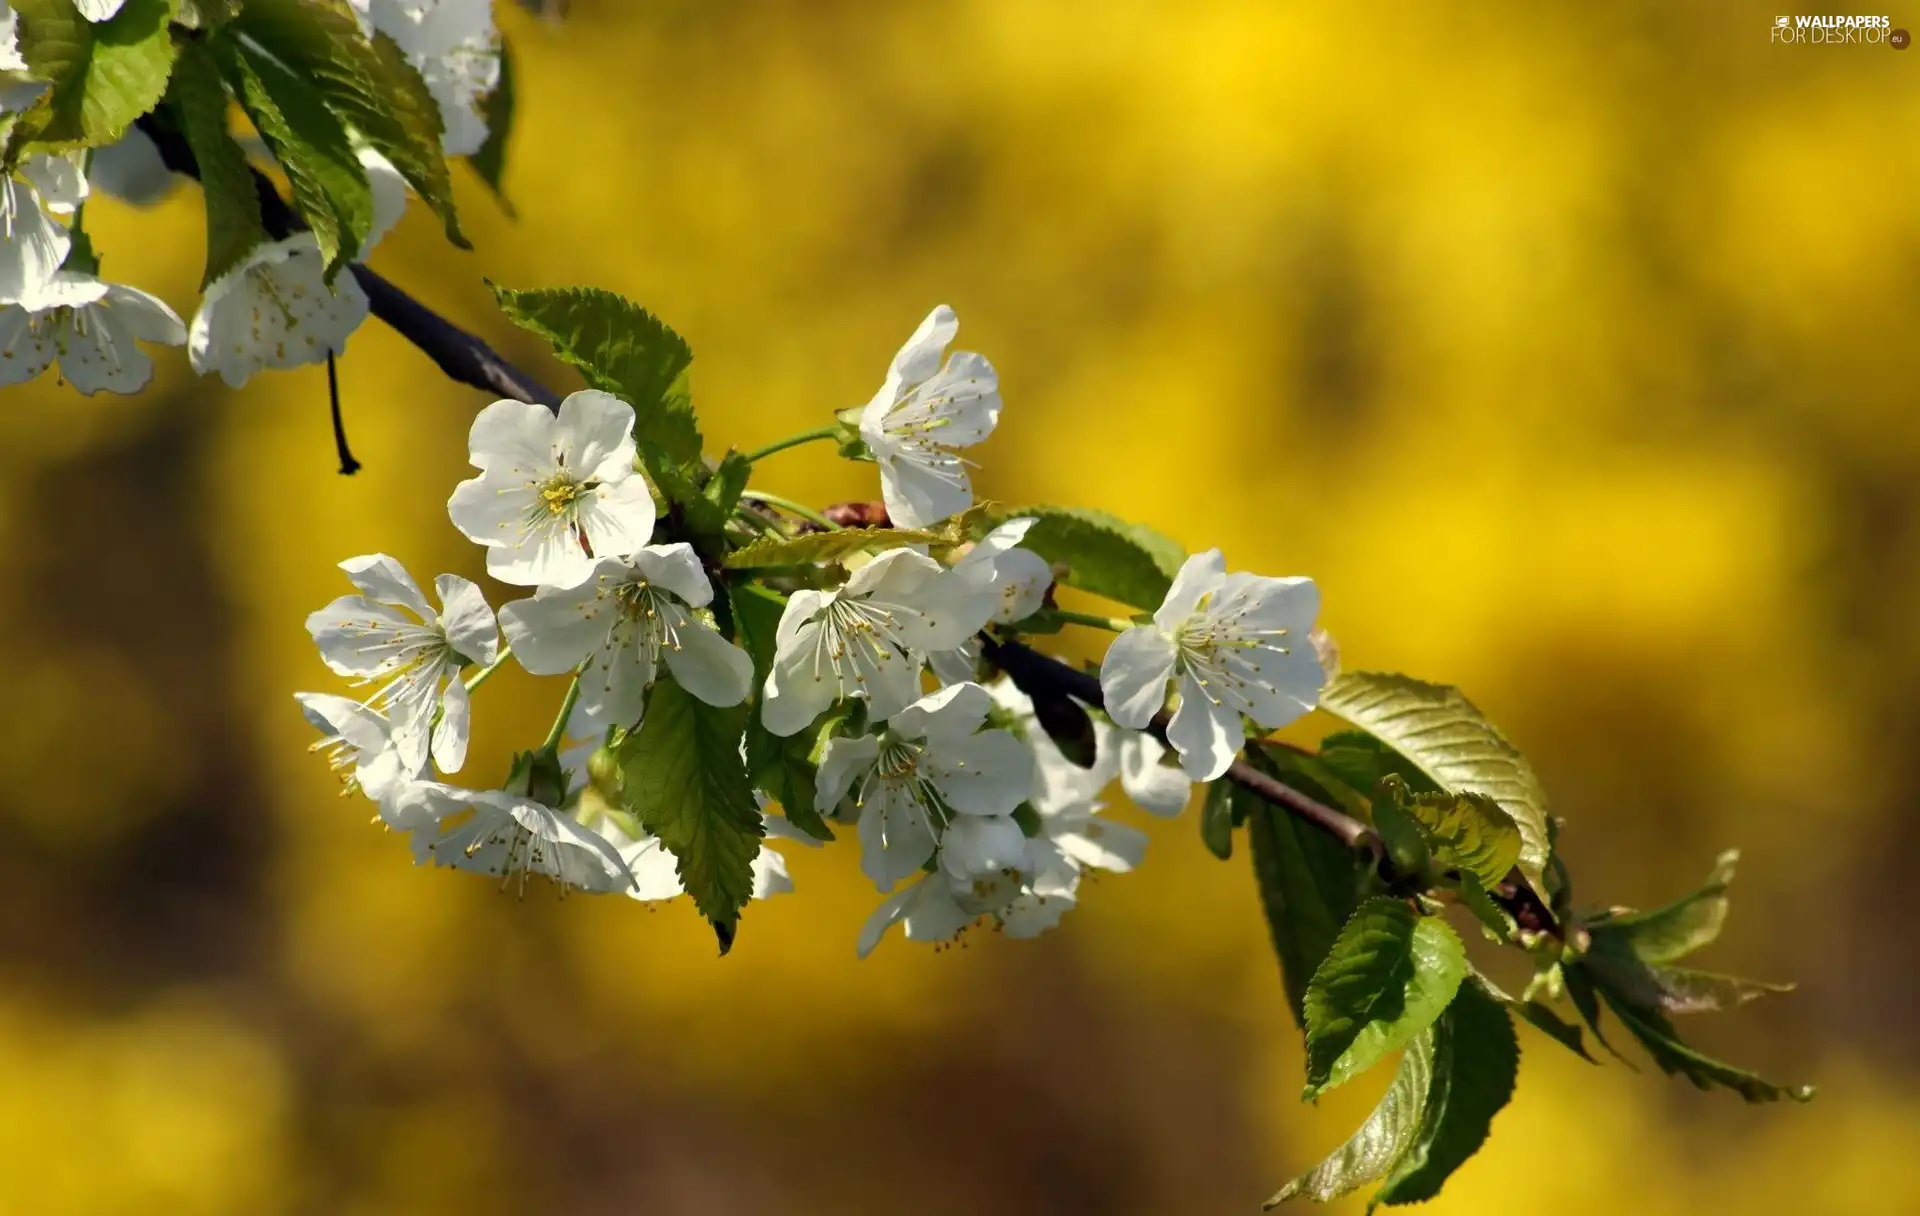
897	760
1222	656
561	494
651	614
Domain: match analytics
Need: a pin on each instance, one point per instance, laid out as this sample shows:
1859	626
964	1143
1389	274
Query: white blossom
1016	580
358	745
59	179
1232	645
914	782
867	638
1021	903
924	412
512	837
274	310
390	635
92	328
625	620
555	491
456	48
98	10
32	244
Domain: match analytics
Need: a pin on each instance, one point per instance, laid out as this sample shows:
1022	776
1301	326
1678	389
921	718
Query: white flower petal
976	845
1206	735
710	667
554	630
895	837
59	179
921	492
1199	576
389	196
1021	579
456	721
32	245
990	773
1134	675
148	317
1292	683
1104	845
514	438
949	713
891	912
356	637
593	435
798	689
770	875
467	619
677	568
618	517
958	666
385	581
843	761
1155	788
26	349
920	356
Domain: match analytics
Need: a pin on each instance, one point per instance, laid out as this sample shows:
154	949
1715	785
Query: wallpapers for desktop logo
1805	30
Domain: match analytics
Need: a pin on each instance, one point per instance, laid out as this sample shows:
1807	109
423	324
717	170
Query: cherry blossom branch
1041	675
463	356
467	358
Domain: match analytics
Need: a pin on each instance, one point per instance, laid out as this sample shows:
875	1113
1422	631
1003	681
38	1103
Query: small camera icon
1781	23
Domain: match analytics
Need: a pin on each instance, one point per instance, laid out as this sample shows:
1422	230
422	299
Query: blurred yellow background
1570	347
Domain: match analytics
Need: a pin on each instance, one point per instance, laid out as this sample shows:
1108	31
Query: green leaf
1555	1027
368	85
1389	975
703	501
817	547
1677	930
1496	918
729	478
1675	1058
81	256
207	14
490	162
1540	1016
1580	990
1671	990
1439	730
756	617
682	776
1103	554
101	76
1406	844
1216	819
1387	1135
1360	760
781	768
1467	832
1332	786
1309	886
330	189
1476	1061
234	229
622	349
